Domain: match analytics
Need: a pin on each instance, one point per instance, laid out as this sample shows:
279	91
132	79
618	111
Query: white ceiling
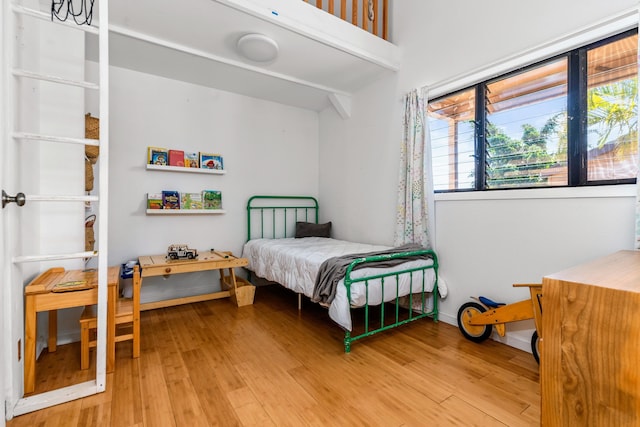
194	41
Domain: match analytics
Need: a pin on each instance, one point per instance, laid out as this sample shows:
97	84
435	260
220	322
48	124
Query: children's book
212	199
191	200
211	161
158	156
154	201
176	158
191	160
170	199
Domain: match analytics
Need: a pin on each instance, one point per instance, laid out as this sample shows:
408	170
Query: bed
285	244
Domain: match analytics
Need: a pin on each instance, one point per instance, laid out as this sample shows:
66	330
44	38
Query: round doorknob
18	199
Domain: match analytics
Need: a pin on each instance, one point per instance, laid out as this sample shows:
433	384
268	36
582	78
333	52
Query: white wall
358	167
484	245
268	148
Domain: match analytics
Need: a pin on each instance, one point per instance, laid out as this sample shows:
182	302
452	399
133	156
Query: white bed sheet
294	263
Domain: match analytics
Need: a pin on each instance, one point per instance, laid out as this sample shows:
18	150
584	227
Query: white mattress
294	263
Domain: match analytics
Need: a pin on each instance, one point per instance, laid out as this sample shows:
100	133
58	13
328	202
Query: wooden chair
127	322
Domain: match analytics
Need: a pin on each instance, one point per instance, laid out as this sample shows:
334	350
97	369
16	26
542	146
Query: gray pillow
310	229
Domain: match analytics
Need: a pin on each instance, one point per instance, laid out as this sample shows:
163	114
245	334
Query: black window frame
577	93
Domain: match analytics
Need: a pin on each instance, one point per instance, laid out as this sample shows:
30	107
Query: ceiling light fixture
257	47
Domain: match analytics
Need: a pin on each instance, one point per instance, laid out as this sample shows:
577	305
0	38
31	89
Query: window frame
577	92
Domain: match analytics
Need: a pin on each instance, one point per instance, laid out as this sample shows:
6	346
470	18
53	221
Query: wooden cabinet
590	347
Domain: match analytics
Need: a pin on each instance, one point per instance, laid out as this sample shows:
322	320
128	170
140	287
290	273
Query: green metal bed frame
274	217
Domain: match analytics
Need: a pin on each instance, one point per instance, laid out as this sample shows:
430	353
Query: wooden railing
370	15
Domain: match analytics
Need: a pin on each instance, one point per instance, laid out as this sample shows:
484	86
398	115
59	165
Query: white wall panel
268	148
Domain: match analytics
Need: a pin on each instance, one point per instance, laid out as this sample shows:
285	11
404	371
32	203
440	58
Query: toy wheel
475	333
535	342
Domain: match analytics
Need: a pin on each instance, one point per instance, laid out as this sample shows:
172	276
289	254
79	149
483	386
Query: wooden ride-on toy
477	319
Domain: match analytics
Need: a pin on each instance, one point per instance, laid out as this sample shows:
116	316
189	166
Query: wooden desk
590	343
39	296
159	265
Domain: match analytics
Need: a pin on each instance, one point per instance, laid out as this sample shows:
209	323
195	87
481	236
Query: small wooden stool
127	320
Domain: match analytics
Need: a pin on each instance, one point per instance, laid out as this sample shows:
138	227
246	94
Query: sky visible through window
510	121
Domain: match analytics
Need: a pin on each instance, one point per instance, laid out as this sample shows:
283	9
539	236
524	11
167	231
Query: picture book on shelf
191	160
191	200
176	158
170	199
211	161
154	200
158	156
212	199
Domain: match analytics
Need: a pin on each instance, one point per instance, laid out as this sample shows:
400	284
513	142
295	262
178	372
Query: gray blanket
334	269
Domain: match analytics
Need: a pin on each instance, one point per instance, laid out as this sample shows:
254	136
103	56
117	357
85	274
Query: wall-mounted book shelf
183	169
185	211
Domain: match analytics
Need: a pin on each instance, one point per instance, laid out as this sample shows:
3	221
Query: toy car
178	251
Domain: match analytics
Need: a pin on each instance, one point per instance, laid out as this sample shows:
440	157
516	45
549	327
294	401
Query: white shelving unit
185	211
183	169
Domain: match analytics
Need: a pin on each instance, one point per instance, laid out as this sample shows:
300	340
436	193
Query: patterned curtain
415	187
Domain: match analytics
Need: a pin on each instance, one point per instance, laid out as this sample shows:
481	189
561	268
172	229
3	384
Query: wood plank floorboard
267	364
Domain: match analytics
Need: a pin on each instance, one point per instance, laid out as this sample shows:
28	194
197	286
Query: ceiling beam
342	104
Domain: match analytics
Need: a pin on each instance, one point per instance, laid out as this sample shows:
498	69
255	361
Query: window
568	121
452	141
612	112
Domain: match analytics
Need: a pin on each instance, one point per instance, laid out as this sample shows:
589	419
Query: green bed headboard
275	217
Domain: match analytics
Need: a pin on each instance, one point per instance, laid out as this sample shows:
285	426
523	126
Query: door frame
12	274
8	364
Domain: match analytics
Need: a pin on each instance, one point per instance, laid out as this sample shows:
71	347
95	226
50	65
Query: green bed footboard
411	313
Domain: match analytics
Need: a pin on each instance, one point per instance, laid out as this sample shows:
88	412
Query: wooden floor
214	364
